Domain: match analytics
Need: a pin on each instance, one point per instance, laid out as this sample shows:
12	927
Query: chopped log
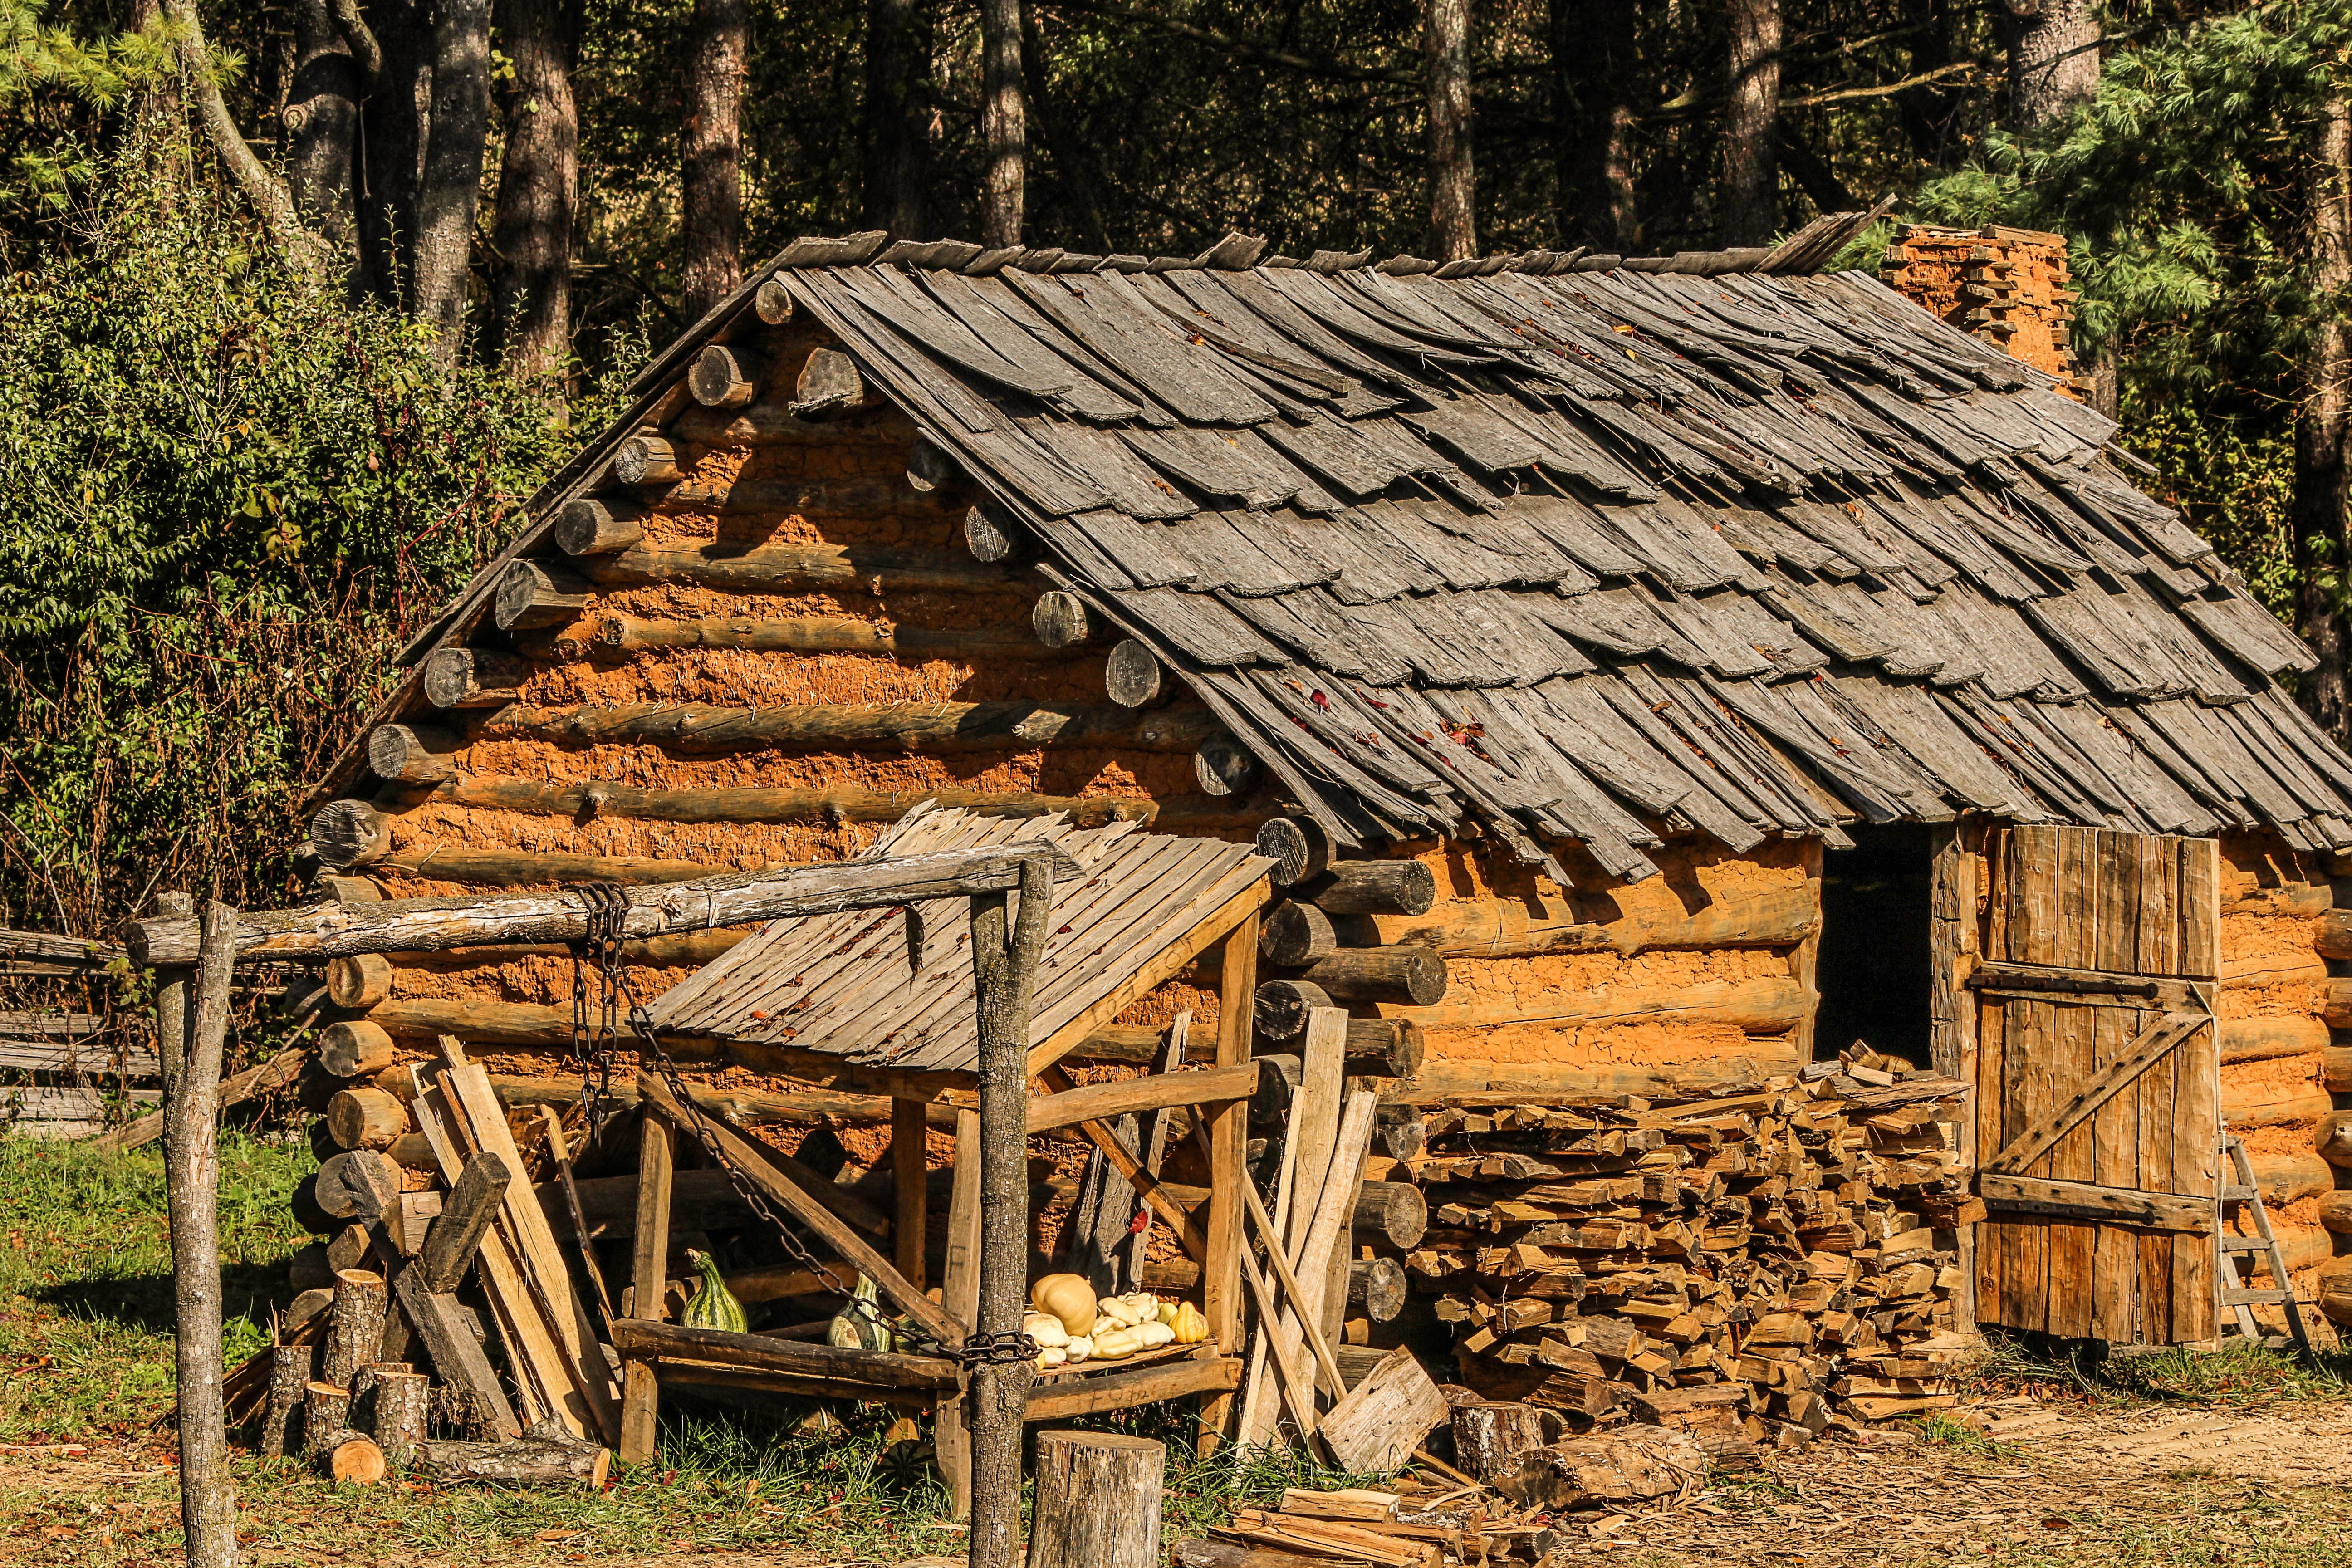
326	1409
1519	926
401	753
1766	1006
1394	1214
2335	1070
773	303
828	382
355	1326
404	1400
1280	1009
466	1215
1060	619
920	727
1373	887
797	569
1296	934
1299	847
987	539
548	1457
367	1119
349	1247
1414	976
1379	1421
1380	1048
356	1048
2333	1139
1376	1286
647	460
1491	1435
358	1184
474	678
1223	766
725	375
931	469
805	633
2334	938
352	1458
531	596
1132	674
532	868
1626	1465
330	930
360	981
591	525
347	832
290	1374
1402	1131
1098	1501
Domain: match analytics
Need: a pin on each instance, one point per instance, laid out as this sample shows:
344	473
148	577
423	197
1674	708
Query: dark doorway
1874	971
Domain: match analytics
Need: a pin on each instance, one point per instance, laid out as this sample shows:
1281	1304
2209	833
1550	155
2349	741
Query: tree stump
355	1326
326	1410
1488	1439
403	1400
351	1457
1098	1501
289	1374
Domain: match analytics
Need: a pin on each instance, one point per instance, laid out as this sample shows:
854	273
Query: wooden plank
1229	1135
1804	960
2159	953
2090	984
540	1384
574	1329
440	1323
1105	1102
641	1339
2148	1048
2196	1085
2070	1245
910	1170
845	1242
1060	1399
2090	1201
2115	1126
96	1061
2025	1283
960	1296
1155	1153
1314	1123
648	1277
1379	1421
1166	964
1993	1241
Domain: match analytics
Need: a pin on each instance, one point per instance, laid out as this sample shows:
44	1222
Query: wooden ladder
2238	1297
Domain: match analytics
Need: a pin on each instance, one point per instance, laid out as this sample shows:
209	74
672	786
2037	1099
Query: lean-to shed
1654	668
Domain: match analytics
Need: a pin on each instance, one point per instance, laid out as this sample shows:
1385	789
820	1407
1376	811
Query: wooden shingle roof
894	988
1596	553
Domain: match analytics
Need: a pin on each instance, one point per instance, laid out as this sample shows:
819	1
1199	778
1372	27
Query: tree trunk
323	119
712	141
1098	1501
262	190
207	1495
1452	175
1002	124
451	188
896	124
2322	425
2053	59
394	120
1751	178
538	183
1593	75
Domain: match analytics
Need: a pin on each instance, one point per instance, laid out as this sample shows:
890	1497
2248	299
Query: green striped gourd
860	1329
713	1306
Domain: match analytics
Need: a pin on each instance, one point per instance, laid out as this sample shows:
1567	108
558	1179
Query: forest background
300	299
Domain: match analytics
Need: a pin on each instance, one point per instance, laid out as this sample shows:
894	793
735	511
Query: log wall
2276	1039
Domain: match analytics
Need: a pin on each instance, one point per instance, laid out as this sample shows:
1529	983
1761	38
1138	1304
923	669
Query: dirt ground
2016	1482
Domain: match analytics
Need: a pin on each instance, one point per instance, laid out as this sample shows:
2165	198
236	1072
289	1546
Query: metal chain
591	1048
605	919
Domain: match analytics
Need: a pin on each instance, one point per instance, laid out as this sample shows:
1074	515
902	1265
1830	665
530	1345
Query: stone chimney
2007	286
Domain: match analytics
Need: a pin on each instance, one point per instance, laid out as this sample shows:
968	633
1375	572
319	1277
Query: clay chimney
2007	286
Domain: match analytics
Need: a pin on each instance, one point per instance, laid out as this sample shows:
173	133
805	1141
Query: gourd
1117	1346
1047	1329
713	1306
1189	1324
1052	1355
1081	1348
1152	1335
1068	1297
1140	1307
856	1329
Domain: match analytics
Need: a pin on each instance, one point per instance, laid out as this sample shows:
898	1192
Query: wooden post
910	1167
640	1392
355	1326
1228	1145
289	1374
1952	1006
1098	1501
207	1496
960	1295
402	1402
1004	967
1805	959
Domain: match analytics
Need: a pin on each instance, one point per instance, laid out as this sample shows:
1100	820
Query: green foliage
2232	479
225	496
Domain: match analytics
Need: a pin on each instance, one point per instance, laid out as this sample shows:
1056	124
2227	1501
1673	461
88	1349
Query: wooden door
2097	1116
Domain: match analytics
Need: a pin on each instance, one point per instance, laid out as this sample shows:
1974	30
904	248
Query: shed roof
894	988
1595	552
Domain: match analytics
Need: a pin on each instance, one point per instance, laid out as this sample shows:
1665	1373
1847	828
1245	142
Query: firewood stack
1759	1266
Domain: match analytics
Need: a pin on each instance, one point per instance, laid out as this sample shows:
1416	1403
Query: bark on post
712	144
355	1326
2322	485
1752	176
1452	175
1004	138
1004	965
207	1496
1098	1501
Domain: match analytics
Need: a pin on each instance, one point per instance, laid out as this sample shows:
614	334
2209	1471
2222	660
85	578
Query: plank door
2097	1072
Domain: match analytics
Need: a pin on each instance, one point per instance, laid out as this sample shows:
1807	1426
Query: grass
2241	1375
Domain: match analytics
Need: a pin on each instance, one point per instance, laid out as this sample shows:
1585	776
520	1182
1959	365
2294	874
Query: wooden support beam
346	832
909	1170
725	375
1105	1102
755	1167
591	525
532	596
1412	976
641	1394
1060	619
960	1296
920	727
800	569
1772	1005
1379	1047
1372	887
646	461
848	1371
1228	1140
536	868
1518	928
1173	813
405	753
475	677
619	634
1128	1162
417	925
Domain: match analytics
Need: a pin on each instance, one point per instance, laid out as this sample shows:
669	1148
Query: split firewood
545	1456
353	1457
1627	1464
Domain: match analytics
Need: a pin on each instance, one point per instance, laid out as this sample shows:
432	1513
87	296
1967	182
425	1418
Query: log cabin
1638	672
